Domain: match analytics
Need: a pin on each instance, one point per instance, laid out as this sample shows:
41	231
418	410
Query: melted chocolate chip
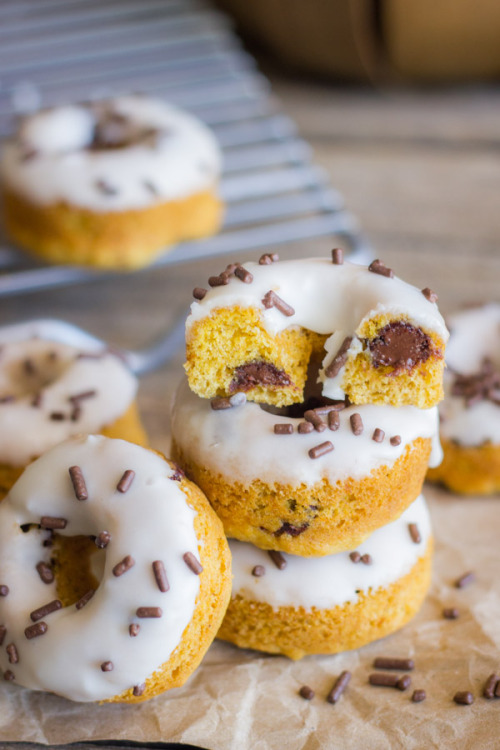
400	345
290	529
248	376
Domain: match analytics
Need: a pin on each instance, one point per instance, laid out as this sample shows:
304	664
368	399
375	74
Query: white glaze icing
326	298
183	159
26	431
325	582
475	335
151	521
240	443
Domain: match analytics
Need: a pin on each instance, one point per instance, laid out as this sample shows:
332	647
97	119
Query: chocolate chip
291	529
401	346
246	377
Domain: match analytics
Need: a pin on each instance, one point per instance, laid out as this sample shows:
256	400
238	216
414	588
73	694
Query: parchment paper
243	700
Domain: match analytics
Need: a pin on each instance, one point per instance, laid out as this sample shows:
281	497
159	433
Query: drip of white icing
151	521
182	160
42	358
240	443
475	335
326	298
326	582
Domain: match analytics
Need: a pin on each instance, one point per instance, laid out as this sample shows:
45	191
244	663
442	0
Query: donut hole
78	566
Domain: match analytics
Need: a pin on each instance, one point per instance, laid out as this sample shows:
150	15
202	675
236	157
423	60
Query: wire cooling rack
56	51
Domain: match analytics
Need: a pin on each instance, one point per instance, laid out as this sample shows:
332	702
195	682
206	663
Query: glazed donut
57	381
165	574
274	485
255	329
334	603
110	183
470	412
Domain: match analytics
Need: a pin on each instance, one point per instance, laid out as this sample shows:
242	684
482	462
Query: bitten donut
110	183
382	340
163	584
310	486
57	381
297	606
470	412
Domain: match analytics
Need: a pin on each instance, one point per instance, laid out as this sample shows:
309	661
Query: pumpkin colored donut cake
57	381
470	412
110	183
381	340
133	618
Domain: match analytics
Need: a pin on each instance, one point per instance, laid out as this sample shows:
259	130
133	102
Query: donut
297	606
110	183
57	381
279	483
381	340
470	412
163	580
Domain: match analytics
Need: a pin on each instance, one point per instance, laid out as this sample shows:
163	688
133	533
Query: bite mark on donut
400	345
253	374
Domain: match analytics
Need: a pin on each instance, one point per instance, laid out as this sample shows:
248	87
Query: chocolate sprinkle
305	428
144	612
220	402
4	590
139	689
85	598
418	696
160	576
3	633
340	358
52	522
12	653
321	449
199	293
389	662
52	606
366	559
126	481
82	396
489	686
283	429
243	275
378	435
465	580
124	565
192	563
355	557
277	559
220	280
395	440
307	693
107	666
271	299
103	539
414	533
340	685
57	416
337	256
380	679
463	698
356	424
312	416
133	629
451	613
258	571
33	631
429	294
105	188
8	675
333	420
45	572
377	266
78	482
268	258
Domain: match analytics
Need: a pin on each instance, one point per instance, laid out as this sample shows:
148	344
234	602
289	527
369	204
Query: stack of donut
309	419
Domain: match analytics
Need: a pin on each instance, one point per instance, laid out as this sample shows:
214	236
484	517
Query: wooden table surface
421	170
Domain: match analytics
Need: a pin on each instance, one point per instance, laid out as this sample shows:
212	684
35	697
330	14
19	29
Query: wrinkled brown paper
241	700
